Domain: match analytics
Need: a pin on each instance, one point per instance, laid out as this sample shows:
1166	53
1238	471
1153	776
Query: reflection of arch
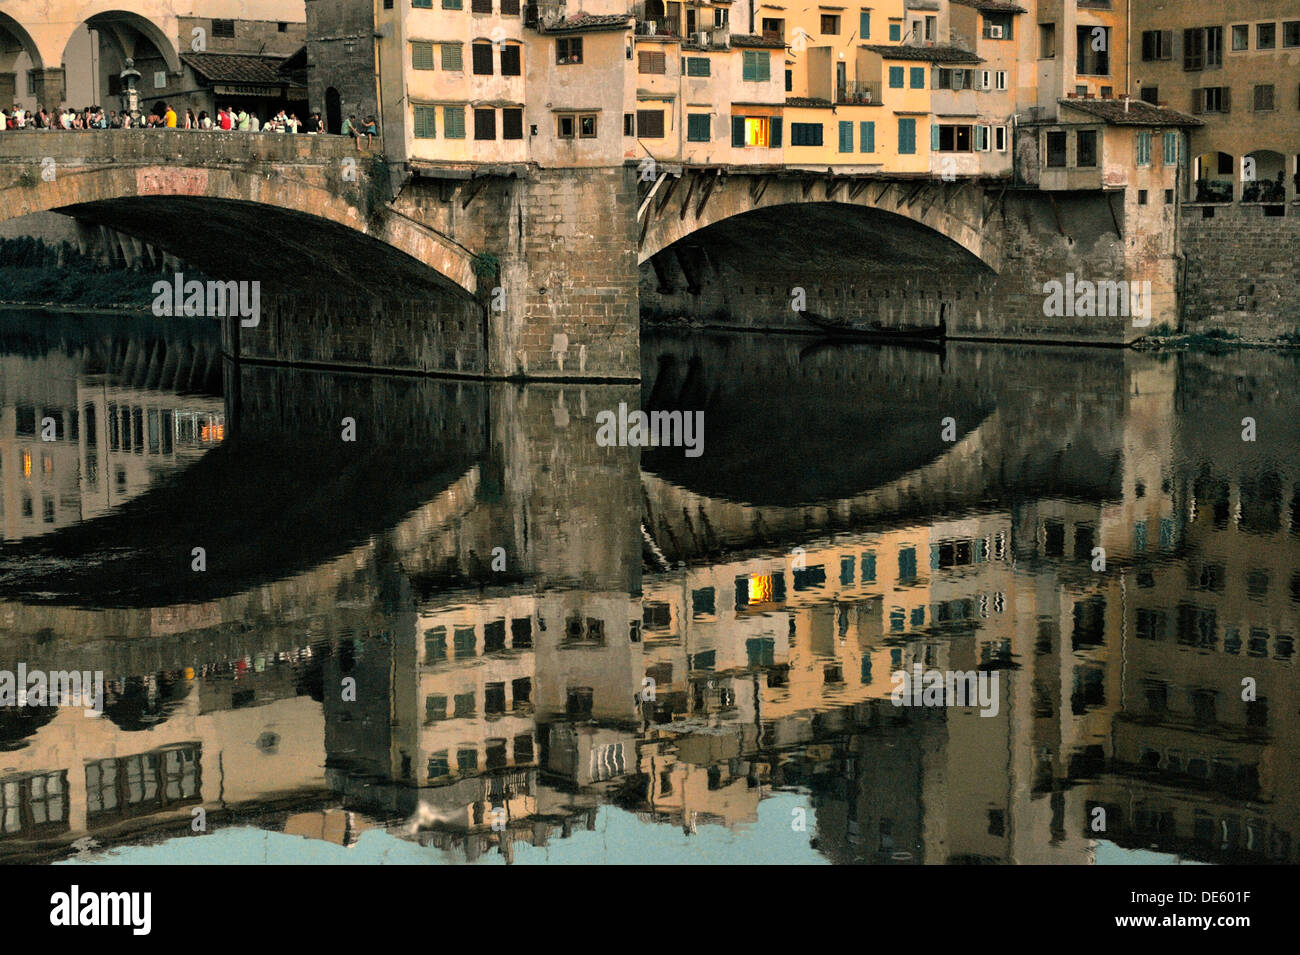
17	723
1215	176
124	29
141	703
16	32
333	111
1266	169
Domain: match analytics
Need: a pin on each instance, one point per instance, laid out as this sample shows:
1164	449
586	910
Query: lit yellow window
756	128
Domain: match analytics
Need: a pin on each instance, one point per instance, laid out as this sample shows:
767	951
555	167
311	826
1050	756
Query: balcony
657	26
864	92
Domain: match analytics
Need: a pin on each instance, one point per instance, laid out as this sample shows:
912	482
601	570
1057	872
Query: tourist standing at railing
293	123
205	121
227	119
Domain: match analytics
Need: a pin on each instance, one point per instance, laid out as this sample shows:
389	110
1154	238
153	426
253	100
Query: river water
346	618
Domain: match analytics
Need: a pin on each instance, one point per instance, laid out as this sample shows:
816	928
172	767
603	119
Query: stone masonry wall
1242	275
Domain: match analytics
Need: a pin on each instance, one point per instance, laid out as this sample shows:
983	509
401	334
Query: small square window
1142	197
1265	36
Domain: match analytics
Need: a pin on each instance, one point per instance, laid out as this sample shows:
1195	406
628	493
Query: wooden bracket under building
690	191
707	191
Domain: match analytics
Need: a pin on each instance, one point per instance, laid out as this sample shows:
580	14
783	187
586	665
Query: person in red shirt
225	119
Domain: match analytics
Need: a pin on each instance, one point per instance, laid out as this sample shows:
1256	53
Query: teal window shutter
737	130
895	32
907	136
934	137
1144	148
775	138
867	137
918	77
698	128
846	137
747	65
1169	155
764	68
895	77
864	24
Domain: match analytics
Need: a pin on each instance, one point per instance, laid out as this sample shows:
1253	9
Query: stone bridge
522	272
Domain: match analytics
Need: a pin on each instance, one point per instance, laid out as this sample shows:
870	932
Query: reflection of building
110	443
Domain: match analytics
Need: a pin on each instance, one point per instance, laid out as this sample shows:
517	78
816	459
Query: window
751	131
417	4
1193	49
223	28
1093	51
918	78
481	6
453	4
1169	149
451	57
453	122
756	66
1047	41
906	136
981	139
1144	148
568	50
895	32
1150	94
1212	99
789	81
566	126
1000	138
1265	36
426	127
512	127
1142	197
867	136
698	127
649	61
650	123
587	126
629	124
1241	37
1263	97
830	24
1291	33
1157	45
997	26
421	56
895	77
846	136
805	134
952	139
864	25
435	709
1056	149
510	8
511	60
697	66
1000	80
485	123
481	59
1213	47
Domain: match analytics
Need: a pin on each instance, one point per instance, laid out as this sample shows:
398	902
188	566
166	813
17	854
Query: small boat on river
875	331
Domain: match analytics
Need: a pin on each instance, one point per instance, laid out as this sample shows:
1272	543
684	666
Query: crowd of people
163	116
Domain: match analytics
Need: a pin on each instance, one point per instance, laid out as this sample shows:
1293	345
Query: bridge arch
230	202
676	209
123	30
14	41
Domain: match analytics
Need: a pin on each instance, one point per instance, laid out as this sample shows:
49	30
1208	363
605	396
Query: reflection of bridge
768	673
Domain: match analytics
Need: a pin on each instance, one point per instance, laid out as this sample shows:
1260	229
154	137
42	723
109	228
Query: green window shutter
895	32
697	66
895	77
453	122
422	4
749	66
867	137
452	58
426	122
864	24
452	4
698	128
846	137
1169	155
934	137
421	56
907	136
764	66
1144	148
775	139
737	130
918	77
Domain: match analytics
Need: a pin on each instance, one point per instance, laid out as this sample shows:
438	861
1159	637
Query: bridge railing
177	146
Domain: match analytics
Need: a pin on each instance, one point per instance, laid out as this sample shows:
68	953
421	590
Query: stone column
48	87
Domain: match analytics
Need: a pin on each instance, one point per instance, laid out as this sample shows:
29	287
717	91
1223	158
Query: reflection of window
435	708
143	783
494	699
521	633
657	615
907	564
521	692
578	701
36	803
494	636
464	704
703	602
464	641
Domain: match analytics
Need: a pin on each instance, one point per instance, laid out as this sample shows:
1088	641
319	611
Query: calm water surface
473	633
